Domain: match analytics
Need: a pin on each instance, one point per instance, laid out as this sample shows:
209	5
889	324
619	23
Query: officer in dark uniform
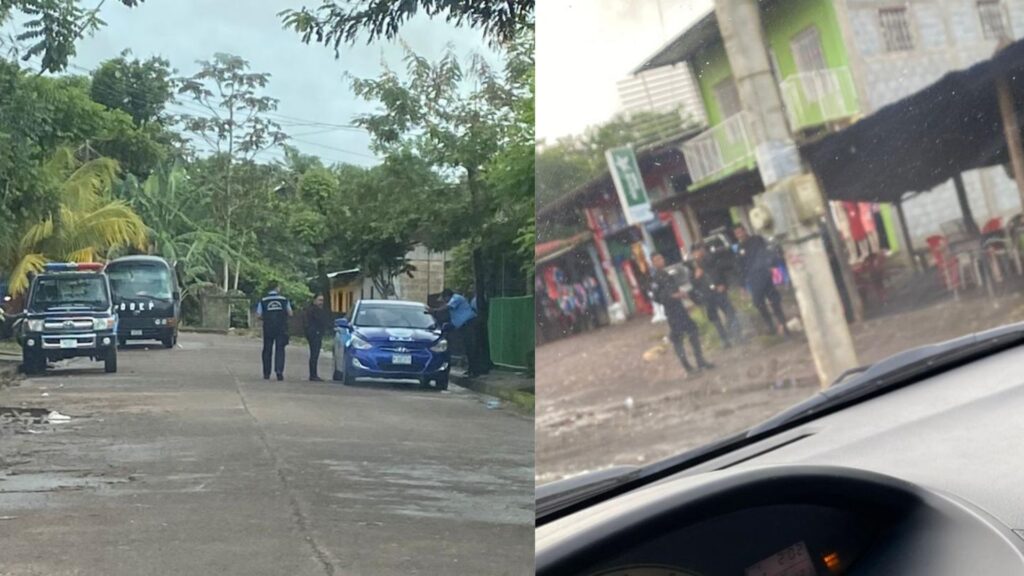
710	282
755	263
274	311
666	291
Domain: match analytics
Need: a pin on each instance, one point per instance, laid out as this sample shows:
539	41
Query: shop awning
548	251
923	140
734	190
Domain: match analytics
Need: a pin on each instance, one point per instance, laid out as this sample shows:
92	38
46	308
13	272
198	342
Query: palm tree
173	213
86	224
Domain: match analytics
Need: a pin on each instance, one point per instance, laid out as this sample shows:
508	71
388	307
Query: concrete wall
785	20
710	66
947	36
427	279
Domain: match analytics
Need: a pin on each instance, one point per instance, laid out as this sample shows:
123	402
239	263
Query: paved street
187	462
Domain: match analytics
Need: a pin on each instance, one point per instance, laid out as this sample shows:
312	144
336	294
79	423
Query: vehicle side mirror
342	323
446	327
176	295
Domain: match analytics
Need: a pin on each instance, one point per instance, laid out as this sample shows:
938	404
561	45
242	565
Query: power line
336	149
289	120
197	108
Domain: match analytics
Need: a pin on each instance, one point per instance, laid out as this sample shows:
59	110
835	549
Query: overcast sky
306	79
585	46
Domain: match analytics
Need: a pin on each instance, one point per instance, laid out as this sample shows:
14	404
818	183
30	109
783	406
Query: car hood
82	312
385	335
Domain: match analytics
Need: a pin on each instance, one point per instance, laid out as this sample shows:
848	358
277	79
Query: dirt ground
609	397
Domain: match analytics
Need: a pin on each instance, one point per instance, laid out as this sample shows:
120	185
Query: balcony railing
720	150
818	97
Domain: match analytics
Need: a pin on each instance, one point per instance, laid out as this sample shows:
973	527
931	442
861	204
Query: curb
199	330
522	401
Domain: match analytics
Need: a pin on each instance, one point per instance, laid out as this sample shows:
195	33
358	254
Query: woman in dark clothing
318	322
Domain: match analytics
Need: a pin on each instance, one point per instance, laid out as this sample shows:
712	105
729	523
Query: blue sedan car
391	339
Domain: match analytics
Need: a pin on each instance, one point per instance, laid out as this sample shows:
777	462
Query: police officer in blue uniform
274	310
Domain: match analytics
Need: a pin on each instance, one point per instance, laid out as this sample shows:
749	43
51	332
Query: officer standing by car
710	283
464	320
666	291
755	264
317	322
274	311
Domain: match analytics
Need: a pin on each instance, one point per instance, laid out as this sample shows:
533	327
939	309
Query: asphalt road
187	462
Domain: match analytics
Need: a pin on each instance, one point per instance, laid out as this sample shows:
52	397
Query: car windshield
723	233
140	281
393	316
70	291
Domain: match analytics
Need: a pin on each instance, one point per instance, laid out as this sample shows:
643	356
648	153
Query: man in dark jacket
666	291
274	310
755	264
318	322
711	284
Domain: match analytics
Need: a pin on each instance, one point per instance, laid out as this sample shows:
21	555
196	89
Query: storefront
572	295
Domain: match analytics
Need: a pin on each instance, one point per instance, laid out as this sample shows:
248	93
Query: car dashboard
927	479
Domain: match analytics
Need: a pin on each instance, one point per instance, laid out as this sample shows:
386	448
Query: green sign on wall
630	184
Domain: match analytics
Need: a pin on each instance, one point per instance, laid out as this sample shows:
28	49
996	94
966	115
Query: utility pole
792	203
1011	127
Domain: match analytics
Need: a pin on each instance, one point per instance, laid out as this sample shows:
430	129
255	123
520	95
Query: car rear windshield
69	291
394	316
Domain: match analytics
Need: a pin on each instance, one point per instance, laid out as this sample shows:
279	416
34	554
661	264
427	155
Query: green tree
311	222
173	213
384	212
236	129
53	27
40	115
334	24
511	174
453	129
86	224
141	89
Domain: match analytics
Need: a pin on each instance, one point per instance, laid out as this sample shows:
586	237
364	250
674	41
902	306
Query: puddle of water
51	481
490	494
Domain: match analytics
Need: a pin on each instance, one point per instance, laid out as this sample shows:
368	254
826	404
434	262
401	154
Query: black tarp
923	140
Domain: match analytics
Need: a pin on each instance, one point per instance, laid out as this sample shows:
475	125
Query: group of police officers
274	309
710	281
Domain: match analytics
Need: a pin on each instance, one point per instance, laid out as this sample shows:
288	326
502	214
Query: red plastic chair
949	274
993	225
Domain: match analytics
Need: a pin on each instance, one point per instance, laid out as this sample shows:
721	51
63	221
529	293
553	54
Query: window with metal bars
895	23
993	24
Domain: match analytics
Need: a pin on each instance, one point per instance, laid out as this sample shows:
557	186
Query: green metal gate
510	328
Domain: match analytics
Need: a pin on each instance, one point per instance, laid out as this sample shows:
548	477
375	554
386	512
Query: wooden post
1011	129
965	206
906	234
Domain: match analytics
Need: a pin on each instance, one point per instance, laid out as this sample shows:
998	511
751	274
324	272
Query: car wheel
168	341
347	377
32	362
337	376
441	383
110	361
122	342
